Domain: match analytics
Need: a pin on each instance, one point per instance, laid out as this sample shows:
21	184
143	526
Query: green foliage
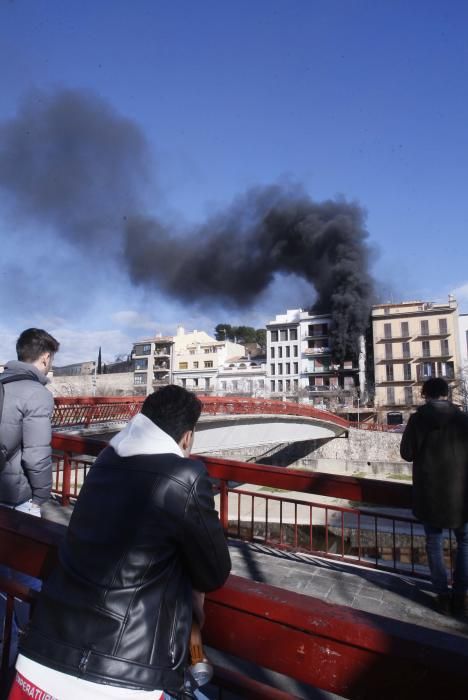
240	334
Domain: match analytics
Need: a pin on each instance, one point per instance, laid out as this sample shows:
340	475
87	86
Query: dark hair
173	409
433	388
33	343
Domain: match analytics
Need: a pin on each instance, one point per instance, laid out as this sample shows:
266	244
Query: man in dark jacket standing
25	429
114	618
436	441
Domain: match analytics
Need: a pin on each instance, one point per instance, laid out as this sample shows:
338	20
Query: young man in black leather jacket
117	611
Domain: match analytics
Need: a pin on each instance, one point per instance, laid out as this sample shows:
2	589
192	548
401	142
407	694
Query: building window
406	352
223	386
191	352
295	384
272	385
444	347
280	368
272	353
142	349
208	364
235	385
424	327
280	385
195	381
442	325
288	351
195	364
388	351
387	330
296	368
272	368
183	381
293	334
284	334
274	337
407	371
280	352
207	383
296	349
288	385
183	365
288	368
139	379
426	348
141	364
390	395
261	383
404	329
408	395
389	373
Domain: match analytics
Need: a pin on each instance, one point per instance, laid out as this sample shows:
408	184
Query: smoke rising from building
70	161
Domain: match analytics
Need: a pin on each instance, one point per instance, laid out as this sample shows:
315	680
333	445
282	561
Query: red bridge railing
86	411
372	535
358	655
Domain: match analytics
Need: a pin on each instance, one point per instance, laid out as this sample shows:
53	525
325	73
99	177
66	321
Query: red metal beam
375	491
358	655
355	654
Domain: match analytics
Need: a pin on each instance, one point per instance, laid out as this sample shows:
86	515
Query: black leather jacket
118	609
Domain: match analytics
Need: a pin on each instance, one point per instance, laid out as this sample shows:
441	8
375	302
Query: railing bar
342	534
412	547
326	529
376	537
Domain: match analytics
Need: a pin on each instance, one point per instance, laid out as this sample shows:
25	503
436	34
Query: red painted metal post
224	505
66	481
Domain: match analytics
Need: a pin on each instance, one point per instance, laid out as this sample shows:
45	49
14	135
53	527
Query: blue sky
347	98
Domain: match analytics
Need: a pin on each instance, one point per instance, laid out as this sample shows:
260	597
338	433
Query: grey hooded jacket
26	424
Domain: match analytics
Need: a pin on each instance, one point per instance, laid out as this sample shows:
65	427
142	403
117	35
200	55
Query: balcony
442	355
394	338
316	351
432	334
382	359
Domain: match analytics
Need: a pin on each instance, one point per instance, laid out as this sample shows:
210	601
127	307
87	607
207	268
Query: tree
240	334
223	331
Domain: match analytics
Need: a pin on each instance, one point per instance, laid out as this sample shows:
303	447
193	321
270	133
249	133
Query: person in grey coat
25	429
436	441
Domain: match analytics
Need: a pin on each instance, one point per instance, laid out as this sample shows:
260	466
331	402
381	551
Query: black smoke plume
69	161
234	256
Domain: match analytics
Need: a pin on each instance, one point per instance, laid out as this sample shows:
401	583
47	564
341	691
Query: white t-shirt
61	686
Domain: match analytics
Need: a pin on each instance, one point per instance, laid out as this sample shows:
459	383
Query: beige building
413	341
152	363
198	357
189	359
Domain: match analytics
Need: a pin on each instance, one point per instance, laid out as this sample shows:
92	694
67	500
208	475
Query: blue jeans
435	558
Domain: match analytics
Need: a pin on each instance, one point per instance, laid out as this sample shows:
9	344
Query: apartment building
412	341
198	358
152	363
299	361
242	375
463	339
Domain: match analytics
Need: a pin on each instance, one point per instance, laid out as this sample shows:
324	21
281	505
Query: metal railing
370	536
336	648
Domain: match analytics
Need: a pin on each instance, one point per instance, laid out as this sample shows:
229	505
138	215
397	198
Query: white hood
142	437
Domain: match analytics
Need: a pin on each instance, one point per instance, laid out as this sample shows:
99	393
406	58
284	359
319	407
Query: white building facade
299	361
